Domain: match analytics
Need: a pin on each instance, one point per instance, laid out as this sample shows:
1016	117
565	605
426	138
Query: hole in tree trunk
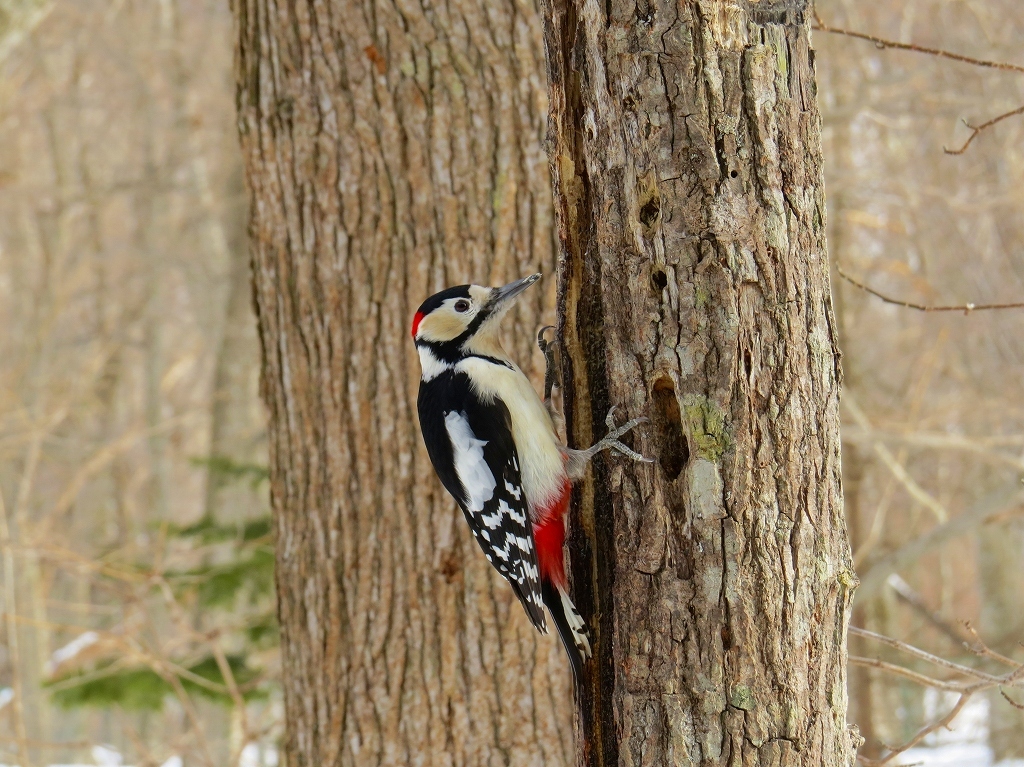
650	211
674	452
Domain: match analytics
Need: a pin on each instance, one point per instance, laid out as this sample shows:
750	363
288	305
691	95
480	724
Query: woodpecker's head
464	320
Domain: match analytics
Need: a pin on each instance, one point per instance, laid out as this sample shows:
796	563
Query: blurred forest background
138	616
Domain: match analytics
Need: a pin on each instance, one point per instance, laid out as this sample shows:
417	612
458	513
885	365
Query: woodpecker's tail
571	628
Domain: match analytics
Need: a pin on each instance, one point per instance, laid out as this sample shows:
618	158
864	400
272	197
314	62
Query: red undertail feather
549	538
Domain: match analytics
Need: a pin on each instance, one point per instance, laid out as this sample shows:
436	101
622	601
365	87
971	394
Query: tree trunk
694	289
391	150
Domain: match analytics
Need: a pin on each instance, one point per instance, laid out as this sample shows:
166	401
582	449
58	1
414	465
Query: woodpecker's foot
552	366
542	340
578	459
611	439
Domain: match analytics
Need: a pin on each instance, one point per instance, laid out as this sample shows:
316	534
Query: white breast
541	464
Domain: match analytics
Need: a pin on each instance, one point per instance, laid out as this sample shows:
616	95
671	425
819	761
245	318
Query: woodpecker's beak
504	295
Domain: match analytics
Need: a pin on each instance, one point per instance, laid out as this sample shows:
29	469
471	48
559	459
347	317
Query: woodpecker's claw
611	439
578	459
542	342
618	447
552	366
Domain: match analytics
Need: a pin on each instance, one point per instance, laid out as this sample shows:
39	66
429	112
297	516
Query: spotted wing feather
495	505
486	482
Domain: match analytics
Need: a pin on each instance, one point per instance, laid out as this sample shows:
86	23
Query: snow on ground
964	755
105	756
950	755
963	744
174	761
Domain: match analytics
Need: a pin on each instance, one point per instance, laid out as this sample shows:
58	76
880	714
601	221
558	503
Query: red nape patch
416	323
549	538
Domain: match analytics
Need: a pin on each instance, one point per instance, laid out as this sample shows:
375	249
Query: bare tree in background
932	416
120	215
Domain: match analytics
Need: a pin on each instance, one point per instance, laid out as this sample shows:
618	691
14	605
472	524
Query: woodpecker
493	445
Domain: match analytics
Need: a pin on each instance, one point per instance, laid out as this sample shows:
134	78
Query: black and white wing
493	500
470	444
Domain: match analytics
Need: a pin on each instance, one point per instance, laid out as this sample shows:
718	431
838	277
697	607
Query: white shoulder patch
468	451
430	365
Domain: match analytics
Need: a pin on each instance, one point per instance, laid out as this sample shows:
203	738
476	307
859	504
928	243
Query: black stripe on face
482	316
492	360
451	351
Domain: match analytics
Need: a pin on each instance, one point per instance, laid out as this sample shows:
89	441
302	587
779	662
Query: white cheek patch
430	365
442	324
470	466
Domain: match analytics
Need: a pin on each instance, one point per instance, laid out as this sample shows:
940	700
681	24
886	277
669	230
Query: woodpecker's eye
462	305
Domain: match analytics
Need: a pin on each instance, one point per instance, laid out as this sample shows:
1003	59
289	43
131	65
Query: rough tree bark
391	149
685	148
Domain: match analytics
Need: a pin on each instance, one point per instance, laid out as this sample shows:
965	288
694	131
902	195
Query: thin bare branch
976	129
965	308
982	447
53	744
236	695
193	717
13	651
913	676
978	647
1011	679
92	466
984	681
881	42
1011	701
909	595
928	365
923	733
89	676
